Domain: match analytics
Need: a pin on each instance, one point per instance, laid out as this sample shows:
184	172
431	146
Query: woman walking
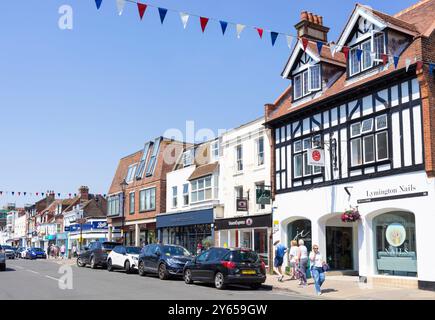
293	257
317	269
303	262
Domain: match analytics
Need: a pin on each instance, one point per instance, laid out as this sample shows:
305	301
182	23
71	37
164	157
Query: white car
122	257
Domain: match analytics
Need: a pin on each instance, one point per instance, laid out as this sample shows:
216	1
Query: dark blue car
163	260
35	253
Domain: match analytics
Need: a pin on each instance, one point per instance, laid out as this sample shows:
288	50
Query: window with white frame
307	82
114	206
301	168
375	45
131	173
215	151
174	197
260	151
188	157
369	141
239	157
131	203
202	189
147	199
185	194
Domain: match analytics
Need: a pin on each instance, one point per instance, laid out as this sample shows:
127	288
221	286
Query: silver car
2	260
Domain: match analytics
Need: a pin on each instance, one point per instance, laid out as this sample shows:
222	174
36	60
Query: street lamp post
123	185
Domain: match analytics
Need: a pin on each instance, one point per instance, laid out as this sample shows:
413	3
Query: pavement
348	288
49	280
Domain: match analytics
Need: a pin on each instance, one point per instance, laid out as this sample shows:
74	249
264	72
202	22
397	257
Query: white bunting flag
372	55
332	48
184	18
407	63
239	28
289	41
120	4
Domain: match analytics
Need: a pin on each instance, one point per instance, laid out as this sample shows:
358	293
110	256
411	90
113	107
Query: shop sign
263	196
275	226
316	157
244	222
395	234
392	193
242	205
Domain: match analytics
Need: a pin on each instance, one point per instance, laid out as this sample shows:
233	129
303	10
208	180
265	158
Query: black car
163	260
96	254
223	266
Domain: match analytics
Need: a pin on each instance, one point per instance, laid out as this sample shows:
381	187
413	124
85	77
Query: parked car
9	251
96	254
122	257
223	266
35	253
2	260
163	260
19	251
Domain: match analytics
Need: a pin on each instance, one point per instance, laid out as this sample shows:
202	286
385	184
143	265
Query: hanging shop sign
263	195
242	204
316	157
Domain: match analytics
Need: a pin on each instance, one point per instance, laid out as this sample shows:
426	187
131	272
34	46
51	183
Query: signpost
81	221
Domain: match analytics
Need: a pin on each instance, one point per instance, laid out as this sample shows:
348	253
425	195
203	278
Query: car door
210	265
114	255
147	256
87	253
154	258
197	267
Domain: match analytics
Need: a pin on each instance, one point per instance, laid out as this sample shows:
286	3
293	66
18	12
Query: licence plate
249	272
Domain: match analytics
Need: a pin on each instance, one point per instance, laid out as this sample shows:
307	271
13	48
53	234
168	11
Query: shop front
82	235
187	229
251	232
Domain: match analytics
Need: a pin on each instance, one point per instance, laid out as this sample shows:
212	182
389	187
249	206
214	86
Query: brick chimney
311	27
84	193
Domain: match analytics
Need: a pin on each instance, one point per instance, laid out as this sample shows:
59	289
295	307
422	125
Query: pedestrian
317	269
74	250
48	251
199	248
303	263
280	251
293	258
62	251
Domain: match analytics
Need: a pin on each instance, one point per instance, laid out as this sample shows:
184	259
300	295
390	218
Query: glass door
339	248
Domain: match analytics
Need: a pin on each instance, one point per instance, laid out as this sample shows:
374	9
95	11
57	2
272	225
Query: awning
185	218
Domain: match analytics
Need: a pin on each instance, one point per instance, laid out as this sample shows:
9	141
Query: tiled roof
203	171
421	15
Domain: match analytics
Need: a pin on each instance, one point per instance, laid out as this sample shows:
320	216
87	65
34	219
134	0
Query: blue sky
73	102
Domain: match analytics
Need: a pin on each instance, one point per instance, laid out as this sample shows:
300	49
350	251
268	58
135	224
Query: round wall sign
316	155
249	222
395	234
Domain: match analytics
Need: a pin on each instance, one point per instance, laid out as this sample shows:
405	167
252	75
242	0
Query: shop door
339	248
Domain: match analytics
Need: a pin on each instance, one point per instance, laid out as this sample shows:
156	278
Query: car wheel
109	265
141	269
80	263
255	286
219	281
188	276
93	265
127	267
3	267
163	273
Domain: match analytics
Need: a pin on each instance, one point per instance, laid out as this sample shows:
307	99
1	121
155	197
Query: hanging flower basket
350	216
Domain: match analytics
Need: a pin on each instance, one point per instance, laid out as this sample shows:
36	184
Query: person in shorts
280	251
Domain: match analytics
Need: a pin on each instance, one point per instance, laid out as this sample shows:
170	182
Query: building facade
354	135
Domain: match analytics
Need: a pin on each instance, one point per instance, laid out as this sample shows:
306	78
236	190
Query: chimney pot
310	17
316	19
304	15
320	20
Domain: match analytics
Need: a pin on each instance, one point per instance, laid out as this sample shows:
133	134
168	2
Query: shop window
395	244
299	230
261	245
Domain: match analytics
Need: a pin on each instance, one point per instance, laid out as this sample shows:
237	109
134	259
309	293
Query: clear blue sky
72	103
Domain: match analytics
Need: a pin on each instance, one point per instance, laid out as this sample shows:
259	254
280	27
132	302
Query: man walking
280	251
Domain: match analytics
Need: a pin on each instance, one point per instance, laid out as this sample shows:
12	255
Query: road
39	279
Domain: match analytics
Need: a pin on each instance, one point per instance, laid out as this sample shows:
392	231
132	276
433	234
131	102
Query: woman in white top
293	257
317	264
303	262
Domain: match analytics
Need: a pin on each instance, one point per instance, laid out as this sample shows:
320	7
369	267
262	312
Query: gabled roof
414	14
202	171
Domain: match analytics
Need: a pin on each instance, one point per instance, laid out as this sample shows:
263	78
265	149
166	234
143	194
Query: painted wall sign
397	192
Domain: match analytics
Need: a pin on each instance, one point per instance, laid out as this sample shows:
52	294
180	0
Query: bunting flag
384	58
162	14
203	21
407	63
273	36
260	32
372	55
120	4
184	18
19	193
13	193
141	8
239	28
304	43
98	3
224	26
419	65
431	66
345	51
289	41
332	47
359	54
319	47
396	61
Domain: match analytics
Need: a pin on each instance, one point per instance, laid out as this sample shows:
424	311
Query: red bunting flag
384	58
204	22
69	195
419	65
37	194
304	43
345	51
260	32
141	7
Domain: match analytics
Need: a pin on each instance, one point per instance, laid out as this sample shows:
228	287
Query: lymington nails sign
392	193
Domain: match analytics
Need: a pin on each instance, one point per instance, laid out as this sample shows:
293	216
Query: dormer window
371	55
306	82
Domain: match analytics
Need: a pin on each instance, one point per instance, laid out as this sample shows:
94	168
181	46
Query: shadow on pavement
235	287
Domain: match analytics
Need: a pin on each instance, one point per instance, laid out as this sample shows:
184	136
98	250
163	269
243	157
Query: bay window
201	189
369	143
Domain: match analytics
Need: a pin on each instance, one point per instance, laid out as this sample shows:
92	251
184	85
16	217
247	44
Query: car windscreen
175	251
133	250
7	247
37	249
244	256
109	245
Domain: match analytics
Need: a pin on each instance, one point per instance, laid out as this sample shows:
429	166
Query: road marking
52	278
32	271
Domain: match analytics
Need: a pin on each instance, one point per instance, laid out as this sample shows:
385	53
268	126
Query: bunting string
184	16
59	195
